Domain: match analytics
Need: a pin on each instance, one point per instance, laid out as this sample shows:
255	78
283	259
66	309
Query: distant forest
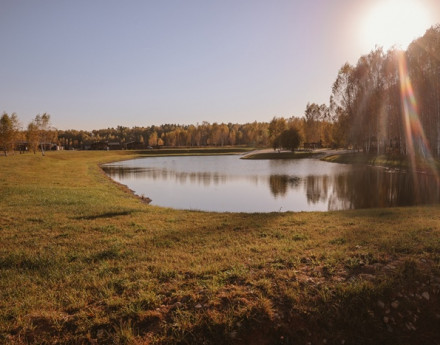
387	102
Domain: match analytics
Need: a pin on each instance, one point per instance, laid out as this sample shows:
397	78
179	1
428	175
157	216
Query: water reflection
273	185
279	184
317	188
375	187
205	178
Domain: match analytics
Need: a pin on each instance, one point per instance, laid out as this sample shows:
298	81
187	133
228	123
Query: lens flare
417	146
395	23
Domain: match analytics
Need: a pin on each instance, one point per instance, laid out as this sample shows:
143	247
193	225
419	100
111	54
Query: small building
22	146
48	146
99	145
312	146
114	146
135	145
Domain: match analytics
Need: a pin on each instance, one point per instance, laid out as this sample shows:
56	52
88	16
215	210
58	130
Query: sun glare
395	23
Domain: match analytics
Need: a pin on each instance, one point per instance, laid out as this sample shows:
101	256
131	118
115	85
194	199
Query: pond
230	184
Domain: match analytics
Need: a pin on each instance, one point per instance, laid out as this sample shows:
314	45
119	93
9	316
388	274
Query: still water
231	184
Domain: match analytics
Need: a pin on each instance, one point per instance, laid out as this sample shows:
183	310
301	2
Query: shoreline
286	154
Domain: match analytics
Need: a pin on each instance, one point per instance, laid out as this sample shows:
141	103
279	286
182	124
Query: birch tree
40	133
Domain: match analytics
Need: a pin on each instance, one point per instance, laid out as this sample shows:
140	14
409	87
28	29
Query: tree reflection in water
349	188
376	187
317	188
279	184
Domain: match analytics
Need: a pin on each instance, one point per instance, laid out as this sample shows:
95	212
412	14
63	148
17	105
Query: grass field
83	261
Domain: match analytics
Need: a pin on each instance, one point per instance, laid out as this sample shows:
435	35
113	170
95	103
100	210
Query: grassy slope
83	261
370	159
390	161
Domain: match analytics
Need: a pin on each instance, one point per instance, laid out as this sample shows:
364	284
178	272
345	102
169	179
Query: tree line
172	135
39	135
386	102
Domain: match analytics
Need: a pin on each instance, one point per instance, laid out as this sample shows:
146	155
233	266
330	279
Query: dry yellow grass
84	261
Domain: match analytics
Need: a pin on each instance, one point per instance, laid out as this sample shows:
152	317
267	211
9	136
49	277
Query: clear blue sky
97	64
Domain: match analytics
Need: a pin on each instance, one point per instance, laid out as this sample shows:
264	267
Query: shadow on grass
105	215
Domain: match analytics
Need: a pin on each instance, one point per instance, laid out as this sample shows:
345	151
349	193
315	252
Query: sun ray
417	145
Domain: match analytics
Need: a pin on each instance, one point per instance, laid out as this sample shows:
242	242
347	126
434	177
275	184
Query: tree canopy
290	139
390	101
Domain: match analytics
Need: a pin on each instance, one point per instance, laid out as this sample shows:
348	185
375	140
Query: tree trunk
438	113
377	144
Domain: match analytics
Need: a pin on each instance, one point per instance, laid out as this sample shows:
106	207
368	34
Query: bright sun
395	23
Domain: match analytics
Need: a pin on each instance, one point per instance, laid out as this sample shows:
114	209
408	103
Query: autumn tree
9	131
315	118
152	140
40	133
423	66
224	134
390	102
33	136
276	127
290	139
342	105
